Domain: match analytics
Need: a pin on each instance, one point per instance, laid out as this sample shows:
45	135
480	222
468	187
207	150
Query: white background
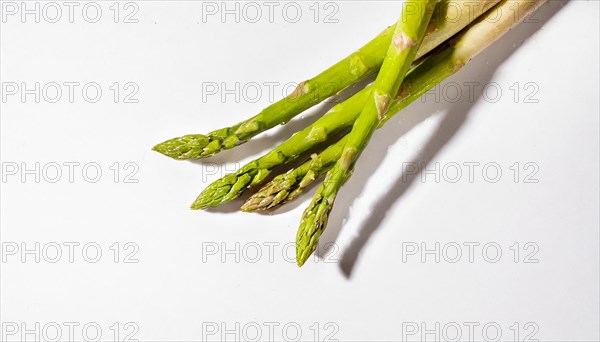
362	289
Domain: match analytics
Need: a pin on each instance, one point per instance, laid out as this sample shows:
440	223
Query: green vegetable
366	61
338	118
442	64
401	53
364	112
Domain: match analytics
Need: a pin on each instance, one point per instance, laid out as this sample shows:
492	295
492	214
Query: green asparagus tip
191	146
312	225
202	202
215	193
222	190
253	204
199	204
270	196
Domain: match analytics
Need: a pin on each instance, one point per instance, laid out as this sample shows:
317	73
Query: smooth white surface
363	289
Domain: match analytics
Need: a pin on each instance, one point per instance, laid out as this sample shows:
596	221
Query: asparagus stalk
340	117
286	187
401	53
366	61
442	64
233	185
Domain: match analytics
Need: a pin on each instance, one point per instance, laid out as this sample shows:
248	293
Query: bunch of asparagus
424	47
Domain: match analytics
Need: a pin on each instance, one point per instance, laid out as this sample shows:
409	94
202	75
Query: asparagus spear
233	185
361	63
283	188
340	117
401	53
288	186
442	64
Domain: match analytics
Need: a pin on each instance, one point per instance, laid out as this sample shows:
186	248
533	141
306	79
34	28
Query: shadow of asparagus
487	62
